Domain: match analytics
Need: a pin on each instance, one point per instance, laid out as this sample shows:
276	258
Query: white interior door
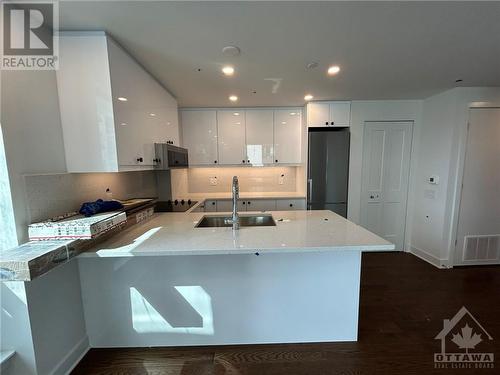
384	190
478	232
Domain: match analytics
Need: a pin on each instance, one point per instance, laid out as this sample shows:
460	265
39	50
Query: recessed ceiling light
308	97
231	51
152	114
233	98
293	113
283	122
123	124
334	69
236	113
122	99
312	65
228	70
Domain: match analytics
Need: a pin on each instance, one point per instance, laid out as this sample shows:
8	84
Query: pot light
228	70
233	98
293	113
152	114
334	69
122	98
308	97
236	113
123	124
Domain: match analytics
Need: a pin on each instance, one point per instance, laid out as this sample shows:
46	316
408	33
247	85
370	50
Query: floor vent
482	247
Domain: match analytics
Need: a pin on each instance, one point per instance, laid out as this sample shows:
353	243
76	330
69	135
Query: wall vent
481	247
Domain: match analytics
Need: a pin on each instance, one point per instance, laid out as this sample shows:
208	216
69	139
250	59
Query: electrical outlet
213	180
281	179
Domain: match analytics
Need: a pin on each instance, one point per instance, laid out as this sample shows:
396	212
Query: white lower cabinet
290	204
210	206
260	204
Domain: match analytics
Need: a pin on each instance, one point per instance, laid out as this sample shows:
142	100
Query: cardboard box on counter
75	226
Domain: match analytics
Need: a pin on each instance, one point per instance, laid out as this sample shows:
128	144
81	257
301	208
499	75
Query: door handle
309	187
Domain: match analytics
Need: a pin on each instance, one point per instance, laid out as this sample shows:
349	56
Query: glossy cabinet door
328	114
231	136
259	136
340	114
101	132
261	205
287	136
318	114
290	204
148	116
199	136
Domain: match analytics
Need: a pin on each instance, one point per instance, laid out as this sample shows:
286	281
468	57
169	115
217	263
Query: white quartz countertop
295	231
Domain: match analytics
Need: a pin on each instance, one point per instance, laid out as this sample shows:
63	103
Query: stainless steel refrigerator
328	169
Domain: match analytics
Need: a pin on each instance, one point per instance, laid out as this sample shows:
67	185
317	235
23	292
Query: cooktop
175	205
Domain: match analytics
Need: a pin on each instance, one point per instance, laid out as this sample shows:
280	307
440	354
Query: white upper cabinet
259	136
323	114
287	136
199	136
231	136
248	136
112	110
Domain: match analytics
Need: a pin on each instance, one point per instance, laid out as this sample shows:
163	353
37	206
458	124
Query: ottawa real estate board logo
29	35
459	338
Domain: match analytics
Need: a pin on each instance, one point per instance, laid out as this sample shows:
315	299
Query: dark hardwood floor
403	303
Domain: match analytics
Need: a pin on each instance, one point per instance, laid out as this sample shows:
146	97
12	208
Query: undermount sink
245	221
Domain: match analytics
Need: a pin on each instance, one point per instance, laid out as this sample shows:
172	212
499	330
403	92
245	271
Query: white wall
440	152
361	112
32	133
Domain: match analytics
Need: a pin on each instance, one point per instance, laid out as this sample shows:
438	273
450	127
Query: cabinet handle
326	123
140	160
248	202
243	202
332	123
243	161
248	161
276	160
213	203
215	161
291	204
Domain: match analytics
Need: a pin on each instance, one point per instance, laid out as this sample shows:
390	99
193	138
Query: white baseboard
429	258
72	358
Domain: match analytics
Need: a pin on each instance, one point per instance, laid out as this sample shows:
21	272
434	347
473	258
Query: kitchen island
166	282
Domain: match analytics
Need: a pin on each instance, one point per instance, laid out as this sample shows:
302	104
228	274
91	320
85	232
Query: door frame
457	197
410	173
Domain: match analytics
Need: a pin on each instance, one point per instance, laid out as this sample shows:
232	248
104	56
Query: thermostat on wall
433	180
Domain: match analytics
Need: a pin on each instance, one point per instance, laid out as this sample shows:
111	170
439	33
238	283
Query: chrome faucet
236	194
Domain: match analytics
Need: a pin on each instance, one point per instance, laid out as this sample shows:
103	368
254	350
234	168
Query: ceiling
386	50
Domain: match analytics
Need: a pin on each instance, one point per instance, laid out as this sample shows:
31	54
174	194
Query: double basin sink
245	221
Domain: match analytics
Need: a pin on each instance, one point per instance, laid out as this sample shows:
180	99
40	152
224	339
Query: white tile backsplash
50	195
266	179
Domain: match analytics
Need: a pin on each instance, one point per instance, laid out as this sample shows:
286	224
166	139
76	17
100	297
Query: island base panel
221	299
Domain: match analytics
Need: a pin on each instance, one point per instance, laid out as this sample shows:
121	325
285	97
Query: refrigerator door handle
309	188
